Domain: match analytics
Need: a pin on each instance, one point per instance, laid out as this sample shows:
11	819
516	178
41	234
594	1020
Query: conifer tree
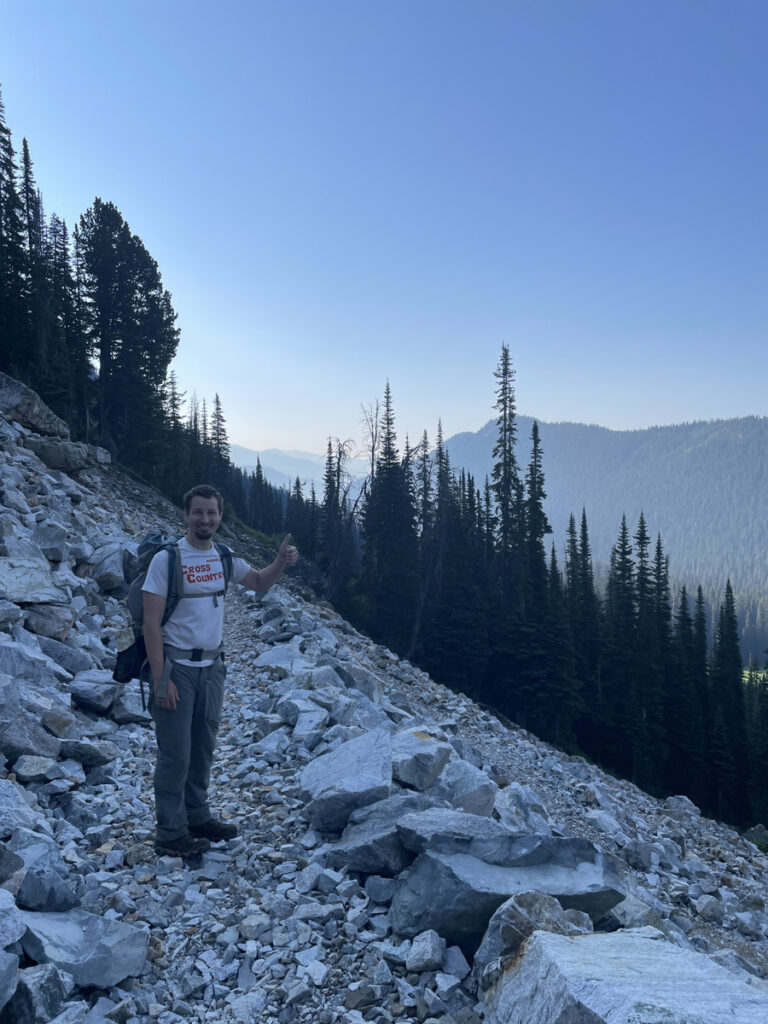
132	329
14	321
562	703
389	529
729	790
584	615
507	489
624	736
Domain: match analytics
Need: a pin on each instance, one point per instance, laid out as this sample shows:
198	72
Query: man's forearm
153	640
269	575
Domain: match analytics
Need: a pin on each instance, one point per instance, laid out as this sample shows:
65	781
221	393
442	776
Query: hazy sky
339	192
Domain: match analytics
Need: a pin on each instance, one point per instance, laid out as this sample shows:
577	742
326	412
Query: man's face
203	518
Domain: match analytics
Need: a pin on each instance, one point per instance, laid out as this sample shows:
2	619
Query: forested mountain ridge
703	486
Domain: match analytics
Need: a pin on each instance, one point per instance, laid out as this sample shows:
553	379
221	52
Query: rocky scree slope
403	856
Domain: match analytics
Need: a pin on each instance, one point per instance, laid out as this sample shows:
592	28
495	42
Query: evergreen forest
463	576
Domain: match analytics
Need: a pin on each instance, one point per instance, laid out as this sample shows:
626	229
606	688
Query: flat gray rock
28	581
91	753
96	952
362	679
619	978
356	774
285	659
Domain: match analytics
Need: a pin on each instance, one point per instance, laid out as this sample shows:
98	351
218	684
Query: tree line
455	574
463	579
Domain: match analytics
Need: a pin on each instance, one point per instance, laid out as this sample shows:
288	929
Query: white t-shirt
197	623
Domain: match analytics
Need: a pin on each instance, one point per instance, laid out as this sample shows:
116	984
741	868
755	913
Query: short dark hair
203	491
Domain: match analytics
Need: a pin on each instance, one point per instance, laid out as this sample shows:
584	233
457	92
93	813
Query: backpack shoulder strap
225	554
175	580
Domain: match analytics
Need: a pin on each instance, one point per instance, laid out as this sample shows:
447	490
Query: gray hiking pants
186	739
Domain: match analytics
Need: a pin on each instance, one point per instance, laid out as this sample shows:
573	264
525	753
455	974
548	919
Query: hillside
404	855
702	486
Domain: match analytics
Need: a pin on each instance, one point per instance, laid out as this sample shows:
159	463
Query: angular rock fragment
16	813
18	402
91	753
520	810
418	756
516	920
371	843
12	925
96	952
40	993
356	774
44	890
53	621
51	538
617	978
69	456
9	970
466	787
94	691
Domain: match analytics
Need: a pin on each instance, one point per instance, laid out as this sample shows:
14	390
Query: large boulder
285	659
18	402
617	978
95	951
456	894
356	774
73	659
69	456
362	679
27	580
50	620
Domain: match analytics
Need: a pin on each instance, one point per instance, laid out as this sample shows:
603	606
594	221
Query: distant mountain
282	467
703	486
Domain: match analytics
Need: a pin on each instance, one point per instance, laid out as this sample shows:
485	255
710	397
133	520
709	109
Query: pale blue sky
339	192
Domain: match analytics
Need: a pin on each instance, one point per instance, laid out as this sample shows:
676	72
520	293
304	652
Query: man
188	672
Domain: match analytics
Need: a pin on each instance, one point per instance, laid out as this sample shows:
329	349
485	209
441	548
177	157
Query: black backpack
132	659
